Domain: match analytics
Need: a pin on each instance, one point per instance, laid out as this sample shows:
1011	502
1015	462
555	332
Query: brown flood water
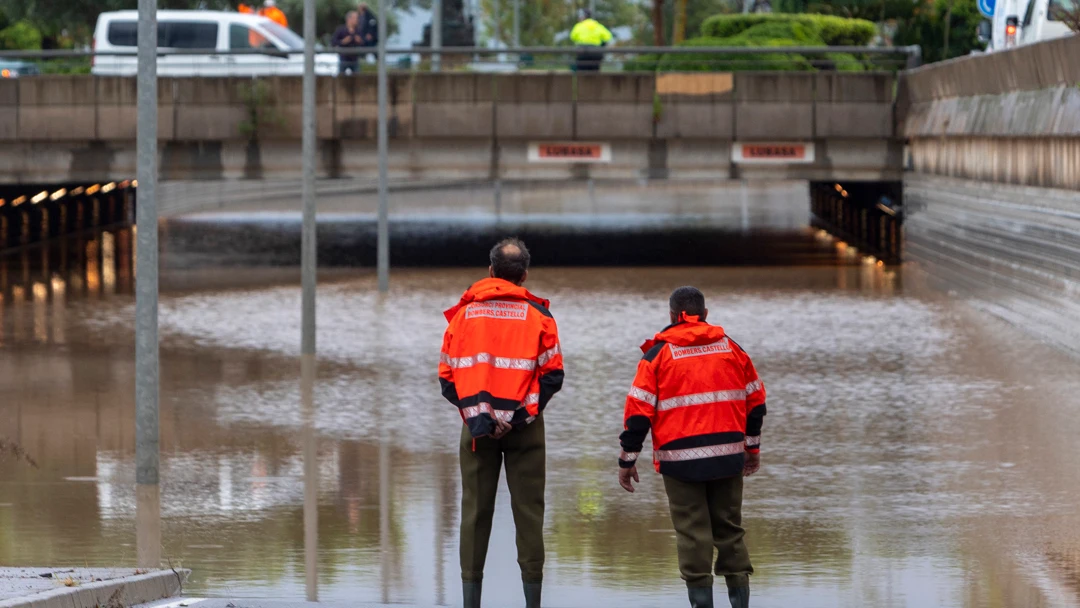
917	453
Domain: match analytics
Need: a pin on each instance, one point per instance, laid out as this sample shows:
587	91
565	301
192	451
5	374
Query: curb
116	593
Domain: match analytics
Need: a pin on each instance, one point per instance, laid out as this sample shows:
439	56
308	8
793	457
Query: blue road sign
986	7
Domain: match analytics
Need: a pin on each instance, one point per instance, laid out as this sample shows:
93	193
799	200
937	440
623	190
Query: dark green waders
708	515
524	453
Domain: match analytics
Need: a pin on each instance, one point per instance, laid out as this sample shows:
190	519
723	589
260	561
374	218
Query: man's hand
625	475
501	429
753	463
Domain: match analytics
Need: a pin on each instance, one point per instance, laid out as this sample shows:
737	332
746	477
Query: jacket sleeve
755	407
446	373
549	364
639	414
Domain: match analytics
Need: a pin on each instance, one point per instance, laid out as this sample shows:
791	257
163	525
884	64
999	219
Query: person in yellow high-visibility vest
590	35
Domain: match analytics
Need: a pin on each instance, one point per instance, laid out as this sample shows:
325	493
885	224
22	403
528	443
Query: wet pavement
916	452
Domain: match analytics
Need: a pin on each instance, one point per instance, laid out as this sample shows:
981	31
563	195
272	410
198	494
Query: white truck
208	40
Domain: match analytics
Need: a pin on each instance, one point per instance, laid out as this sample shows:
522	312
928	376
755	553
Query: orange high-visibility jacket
275	14
699	393
500	356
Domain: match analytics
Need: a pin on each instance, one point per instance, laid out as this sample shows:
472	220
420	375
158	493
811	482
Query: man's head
363	7
510	261
689	300
270	4
352	18
586	14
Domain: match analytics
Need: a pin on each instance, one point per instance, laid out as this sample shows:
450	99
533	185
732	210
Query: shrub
833	31
783	30
843	62
728	62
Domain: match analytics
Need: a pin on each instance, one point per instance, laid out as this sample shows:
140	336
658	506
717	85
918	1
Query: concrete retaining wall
1013	251
993	196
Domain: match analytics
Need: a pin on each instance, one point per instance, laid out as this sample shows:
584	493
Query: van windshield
289	38
1059	9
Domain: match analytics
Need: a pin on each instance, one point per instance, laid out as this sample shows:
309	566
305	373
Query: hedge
833	31
728	62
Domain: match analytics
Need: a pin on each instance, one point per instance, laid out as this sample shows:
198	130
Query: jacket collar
493	289
687	331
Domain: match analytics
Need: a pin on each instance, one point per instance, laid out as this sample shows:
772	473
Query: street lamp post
147	380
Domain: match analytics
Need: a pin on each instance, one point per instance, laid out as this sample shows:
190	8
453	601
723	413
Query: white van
209	31
1040	22
1043	22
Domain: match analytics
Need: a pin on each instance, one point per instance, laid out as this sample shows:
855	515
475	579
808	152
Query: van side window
1030	12
123	33
1059	8
243	37
188	35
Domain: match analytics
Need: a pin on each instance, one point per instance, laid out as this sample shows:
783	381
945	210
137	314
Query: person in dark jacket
369	25
349	36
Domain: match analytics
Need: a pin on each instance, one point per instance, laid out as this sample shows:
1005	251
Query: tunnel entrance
32	214
866	215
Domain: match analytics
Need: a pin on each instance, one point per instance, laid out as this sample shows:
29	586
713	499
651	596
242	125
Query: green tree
943	28
20	36
697	11
543	20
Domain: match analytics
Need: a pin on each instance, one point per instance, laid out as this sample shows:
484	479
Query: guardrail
482	59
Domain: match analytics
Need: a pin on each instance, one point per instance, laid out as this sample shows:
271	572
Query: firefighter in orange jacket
500	365
698	392
269	10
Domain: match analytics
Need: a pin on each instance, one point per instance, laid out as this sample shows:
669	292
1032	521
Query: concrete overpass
72	129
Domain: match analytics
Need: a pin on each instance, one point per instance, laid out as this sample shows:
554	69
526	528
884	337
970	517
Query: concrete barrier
534	106
696	106
853	105
9	109
58	108
1027	68
614	106
454	105
777	106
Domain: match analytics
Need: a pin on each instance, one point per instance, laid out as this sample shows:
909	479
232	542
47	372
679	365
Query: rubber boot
470	593
532	595
700	597
739	597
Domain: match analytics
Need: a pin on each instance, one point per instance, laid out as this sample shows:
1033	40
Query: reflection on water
917	454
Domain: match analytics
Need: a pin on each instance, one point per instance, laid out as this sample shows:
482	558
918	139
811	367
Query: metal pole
383	245
592	8
517	23
436	34
148	497
308	268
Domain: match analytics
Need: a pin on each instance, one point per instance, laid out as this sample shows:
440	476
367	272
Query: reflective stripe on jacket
699	393
500	356
590	33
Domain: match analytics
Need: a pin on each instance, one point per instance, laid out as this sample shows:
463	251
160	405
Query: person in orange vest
273	13
269	10
699	394
501	363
